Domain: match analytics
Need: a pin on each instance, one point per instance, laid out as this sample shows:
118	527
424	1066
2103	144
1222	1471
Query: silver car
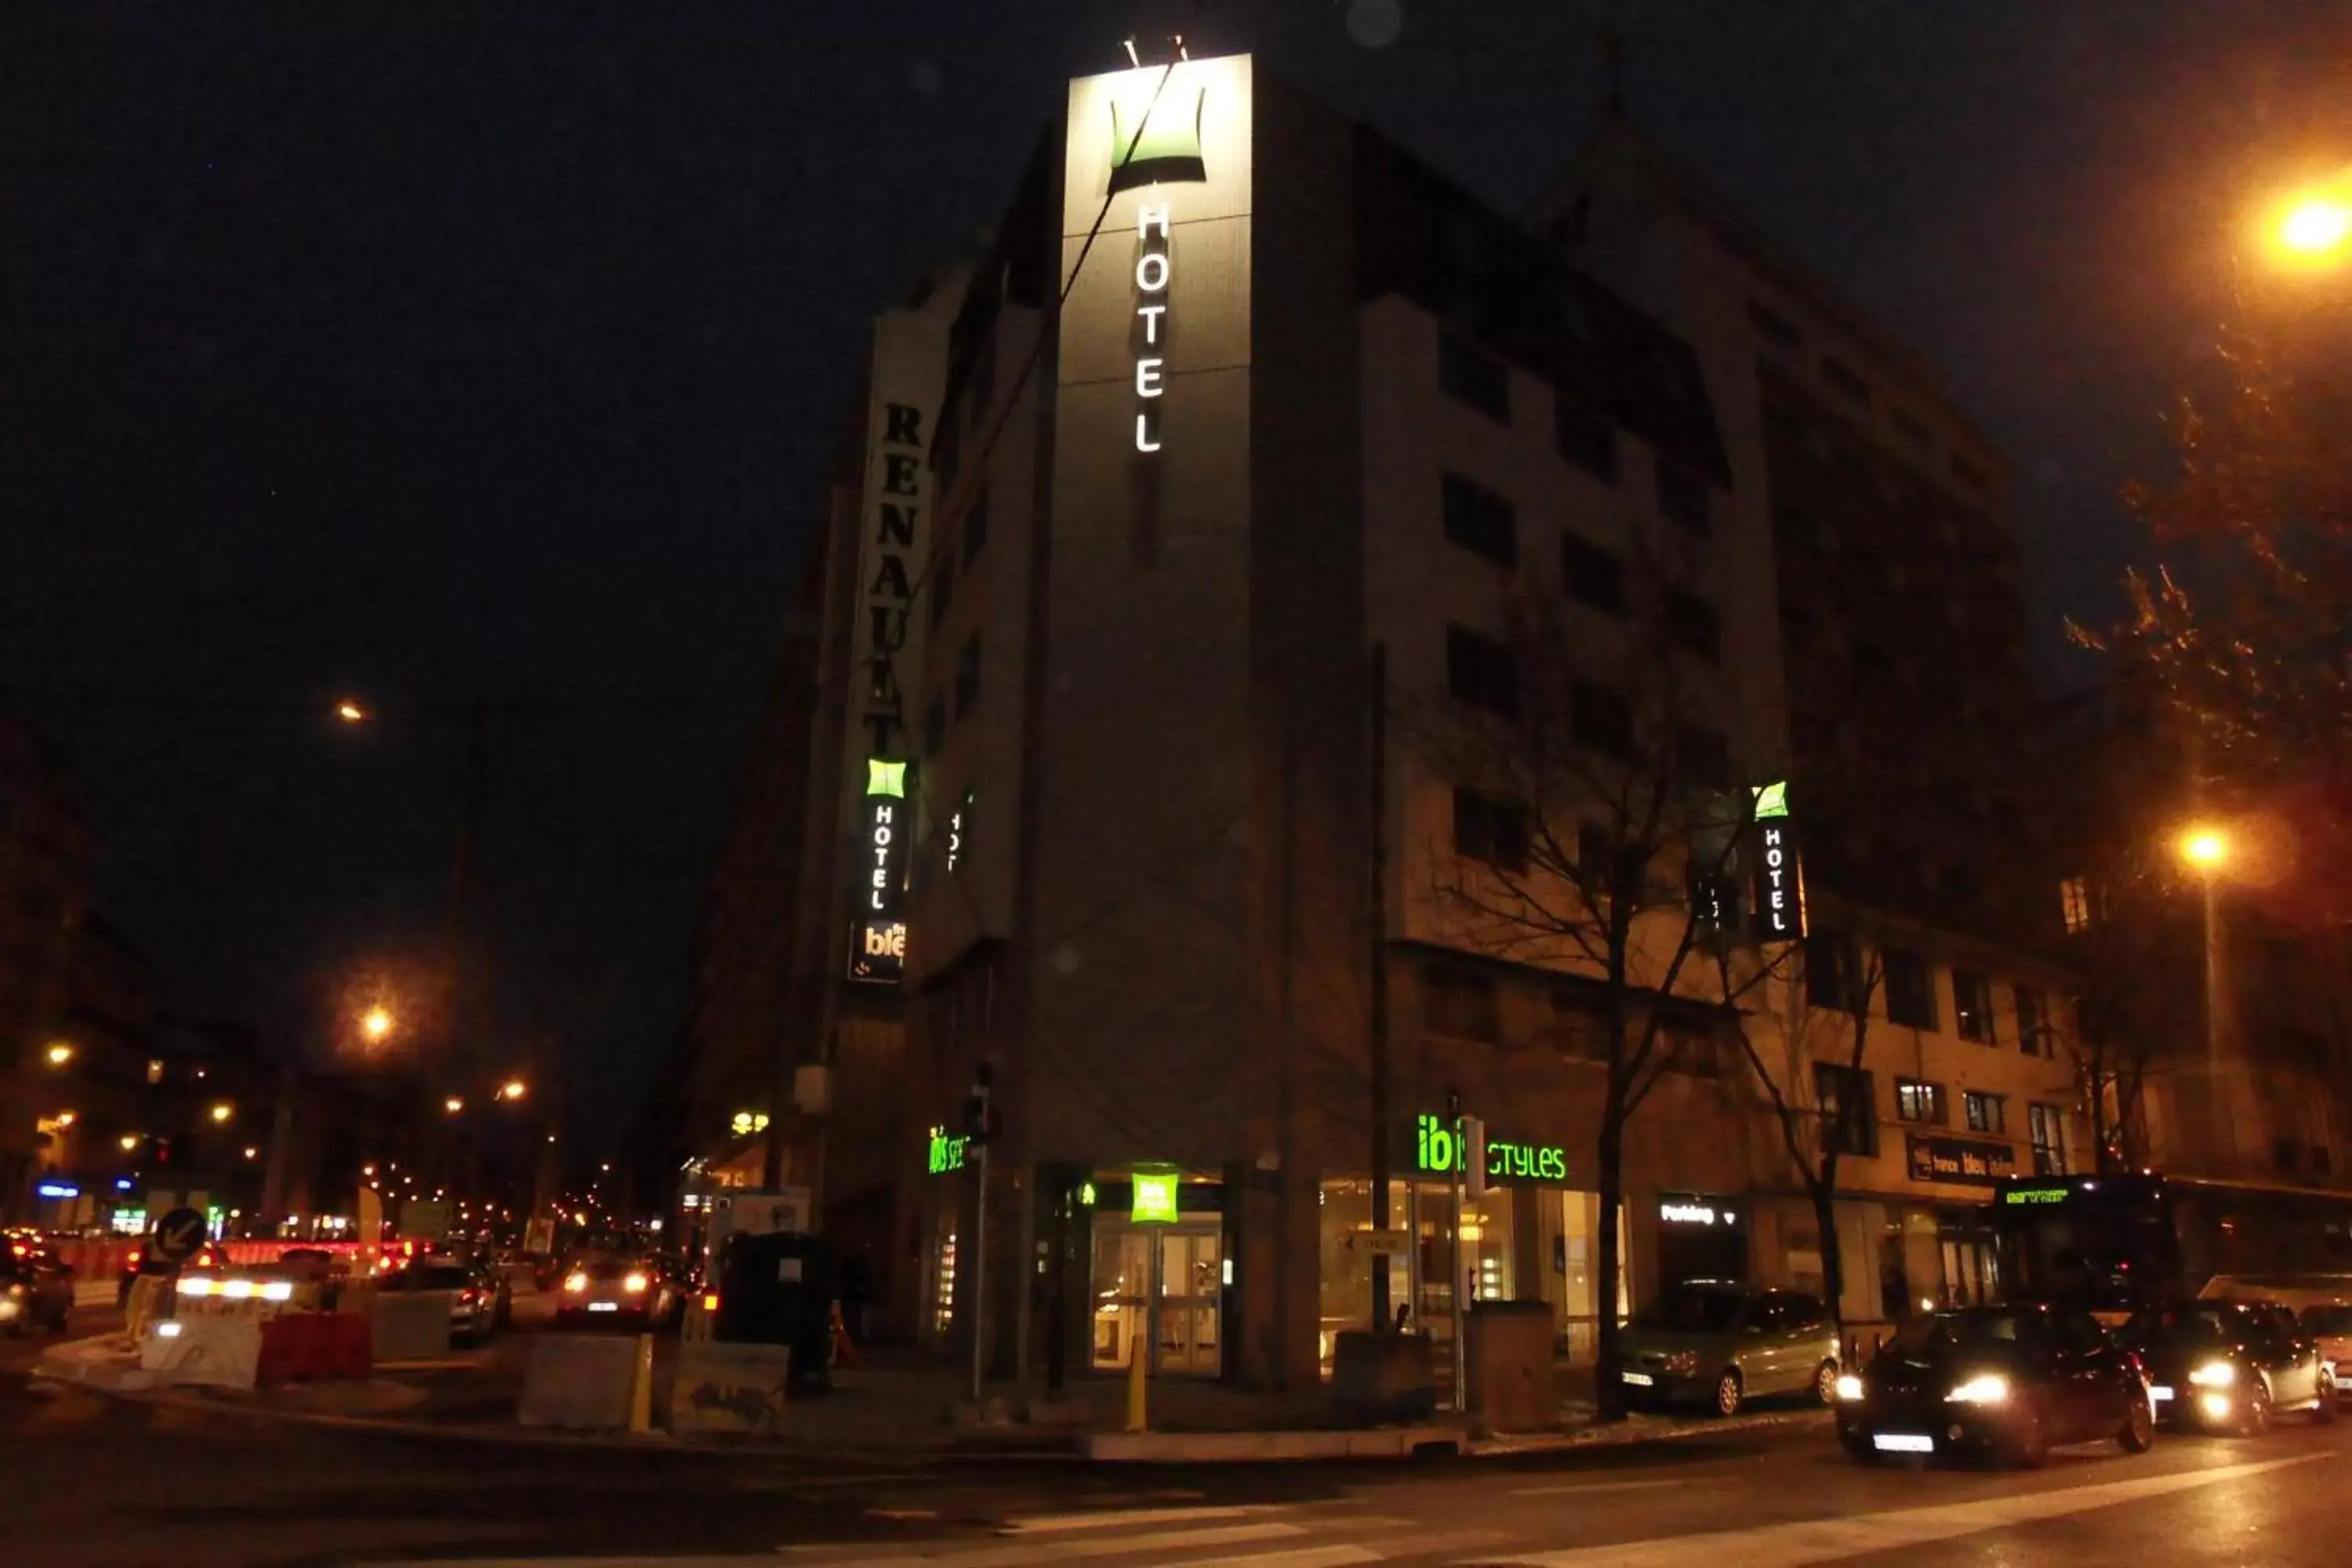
1719	1344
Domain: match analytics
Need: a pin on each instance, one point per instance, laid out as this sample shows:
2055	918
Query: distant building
45	894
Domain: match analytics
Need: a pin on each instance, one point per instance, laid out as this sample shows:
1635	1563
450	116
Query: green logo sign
1157	144
1772	800
886	778
2022	1195
947	1154
1438	1148
1155	1198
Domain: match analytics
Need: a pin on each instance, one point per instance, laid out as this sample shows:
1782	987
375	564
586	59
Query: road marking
1590	1486
1801	1541
1106	1518
1028	1552
1297	1557
901	1513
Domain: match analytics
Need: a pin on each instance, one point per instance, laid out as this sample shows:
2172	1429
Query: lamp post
2205	849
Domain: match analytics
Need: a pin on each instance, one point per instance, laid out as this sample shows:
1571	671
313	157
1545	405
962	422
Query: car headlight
636	1284
575	1283
1849	1387
2213	1374
1986	1388
195	1287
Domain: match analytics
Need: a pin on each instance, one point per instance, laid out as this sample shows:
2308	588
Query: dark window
935	726
1703	757
1773	327
2032	1022
1461	1005
1585	438
1593	576
1481	672
975	527
941	587
1843	380
1910	990
1915	1100
1986	1112
2045	1124
1833	973
967	676
1972	1007
1693	625
1601	718
1480	521
1848	1112
1683	1049
1490	830
1577	1025
1470	375
1682	494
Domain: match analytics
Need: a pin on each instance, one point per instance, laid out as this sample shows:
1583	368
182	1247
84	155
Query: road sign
178	1235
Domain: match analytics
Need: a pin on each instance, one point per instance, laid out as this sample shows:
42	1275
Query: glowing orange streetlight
60	1052
513	1089
2316	227
377	1022
351	712
453	1105
223	1111
2206	849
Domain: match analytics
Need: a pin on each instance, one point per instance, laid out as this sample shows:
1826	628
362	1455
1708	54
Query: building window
1848	1112
1915	1100
1594	578
941	587
1481	672
1773	327
1490	830
967	676
1464	1005
2075	903
935	725
1986	1112
1468	373
1972	1007
1833	973
1683	1049
154	1070
1585	438
1692	626
1682	494
1843	381
2045	1124
946	452
2033	1022
1703	757
975	527
1601	719
1910	990
1480	521
1797	526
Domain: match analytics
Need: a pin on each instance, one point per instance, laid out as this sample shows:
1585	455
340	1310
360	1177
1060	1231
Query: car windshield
438	1276
1932	1337
2327	1320
1694	1310
2203	1323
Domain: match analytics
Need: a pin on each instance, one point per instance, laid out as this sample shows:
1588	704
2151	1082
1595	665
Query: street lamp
376	1024
59	1053
2316	227
223	1111
351	712
2204	848
513	1089
453	1105
128	1140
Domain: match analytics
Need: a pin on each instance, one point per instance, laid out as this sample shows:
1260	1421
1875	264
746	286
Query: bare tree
1598	828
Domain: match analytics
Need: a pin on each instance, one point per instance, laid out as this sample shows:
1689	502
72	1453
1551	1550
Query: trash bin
777	1289
1510	1357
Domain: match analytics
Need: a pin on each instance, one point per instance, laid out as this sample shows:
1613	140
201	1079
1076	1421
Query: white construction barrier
582	1382
215	1352
719	1387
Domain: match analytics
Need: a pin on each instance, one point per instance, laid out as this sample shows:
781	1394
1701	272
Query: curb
1627	1434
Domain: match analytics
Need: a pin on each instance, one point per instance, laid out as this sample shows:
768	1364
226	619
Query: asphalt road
88	1480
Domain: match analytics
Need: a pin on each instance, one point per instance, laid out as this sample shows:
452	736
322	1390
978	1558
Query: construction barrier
729	1387
314	1347
580	1381
411	1325
151	1299
216	1352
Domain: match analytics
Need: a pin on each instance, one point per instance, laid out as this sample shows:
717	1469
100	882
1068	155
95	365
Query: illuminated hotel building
1241	392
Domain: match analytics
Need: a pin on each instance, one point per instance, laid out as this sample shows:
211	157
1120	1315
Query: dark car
36	1289
2230	1366
2007	1383
603	1290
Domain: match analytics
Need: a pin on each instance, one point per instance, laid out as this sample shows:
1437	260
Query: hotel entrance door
1165	1281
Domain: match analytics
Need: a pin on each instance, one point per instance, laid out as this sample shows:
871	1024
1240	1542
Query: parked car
2331	1326
2009	1383
1722	1343
37	1287
632	1292
2230	1366
478	1304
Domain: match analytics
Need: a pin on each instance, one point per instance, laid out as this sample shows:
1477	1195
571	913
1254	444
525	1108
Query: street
91	1480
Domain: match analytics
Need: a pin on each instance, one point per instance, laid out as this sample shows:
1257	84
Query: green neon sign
1155	1198
2023	1195
1437	1149
1772	800
886	778
945	1153
1087	1194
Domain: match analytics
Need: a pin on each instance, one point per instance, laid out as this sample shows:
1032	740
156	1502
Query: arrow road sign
178	1235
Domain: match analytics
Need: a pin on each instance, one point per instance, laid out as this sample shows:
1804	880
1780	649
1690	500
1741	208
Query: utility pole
1382	1316
977	1114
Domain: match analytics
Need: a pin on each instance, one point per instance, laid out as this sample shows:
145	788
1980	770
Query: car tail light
636	1284
575	1283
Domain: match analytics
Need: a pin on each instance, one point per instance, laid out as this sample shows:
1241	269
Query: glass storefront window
1122	1289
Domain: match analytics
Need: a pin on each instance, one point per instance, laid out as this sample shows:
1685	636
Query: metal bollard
641	1387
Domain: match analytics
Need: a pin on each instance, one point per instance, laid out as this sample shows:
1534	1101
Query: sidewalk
905	1405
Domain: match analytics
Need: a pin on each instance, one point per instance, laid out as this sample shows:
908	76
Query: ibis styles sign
1437	1149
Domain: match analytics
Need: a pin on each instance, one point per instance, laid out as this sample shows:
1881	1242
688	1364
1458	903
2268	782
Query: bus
2113	1242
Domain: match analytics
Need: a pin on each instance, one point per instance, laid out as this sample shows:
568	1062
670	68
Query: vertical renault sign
1779	880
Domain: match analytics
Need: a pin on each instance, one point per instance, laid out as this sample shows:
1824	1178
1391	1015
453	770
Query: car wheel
2029	1449
2324	1413
1728	1392
2138	1434
2258	1410
1825	1378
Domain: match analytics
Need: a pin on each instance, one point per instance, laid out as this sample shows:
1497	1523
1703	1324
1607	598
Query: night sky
486	355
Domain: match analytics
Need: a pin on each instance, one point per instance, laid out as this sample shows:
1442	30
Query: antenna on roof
1131	59
1612	70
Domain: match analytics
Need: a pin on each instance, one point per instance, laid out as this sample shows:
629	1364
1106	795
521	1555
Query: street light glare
514	1089
2317	226
376	1023
2204	847
223	1111
351	712
453	1105
60	1053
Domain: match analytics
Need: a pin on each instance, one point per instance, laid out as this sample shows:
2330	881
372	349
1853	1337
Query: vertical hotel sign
1779	880
878	939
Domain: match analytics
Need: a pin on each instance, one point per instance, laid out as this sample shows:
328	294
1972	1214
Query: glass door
1191	1283
1122	1294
